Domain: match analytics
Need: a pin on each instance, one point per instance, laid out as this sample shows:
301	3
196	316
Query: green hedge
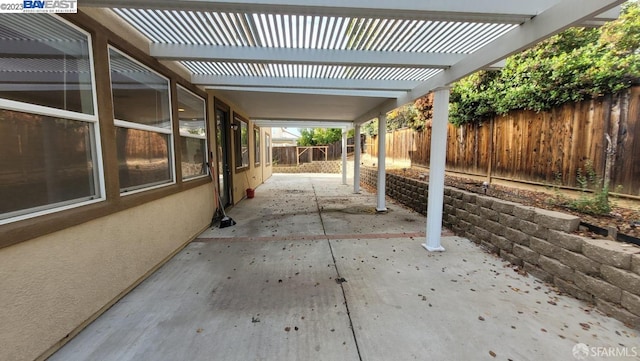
577	64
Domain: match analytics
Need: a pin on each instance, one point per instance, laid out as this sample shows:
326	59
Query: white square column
356	159
382	135
344	157
436	169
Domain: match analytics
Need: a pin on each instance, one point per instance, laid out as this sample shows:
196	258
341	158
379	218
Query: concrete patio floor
311	272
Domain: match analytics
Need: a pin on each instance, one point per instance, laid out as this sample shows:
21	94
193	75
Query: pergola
341	63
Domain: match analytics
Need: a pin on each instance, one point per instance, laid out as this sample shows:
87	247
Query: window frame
256	146
267	149
194	136
118	123
239	165
95	142
112	202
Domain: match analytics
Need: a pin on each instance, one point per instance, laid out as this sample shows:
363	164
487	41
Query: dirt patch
337	201
295	191
624	220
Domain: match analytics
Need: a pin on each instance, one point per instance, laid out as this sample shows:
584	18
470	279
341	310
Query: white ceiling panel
269	105
346	60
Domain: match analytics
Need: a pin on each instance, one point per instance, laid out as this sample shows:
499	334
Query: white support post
436	169
356	159
382	135
344	157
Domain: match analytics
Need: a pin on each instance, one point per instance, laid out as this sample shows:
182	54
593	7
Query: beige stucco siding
52	284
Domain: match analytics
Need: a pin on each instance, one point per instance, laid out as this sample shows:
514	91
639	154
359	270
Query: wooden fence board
542	147
626	172
286	155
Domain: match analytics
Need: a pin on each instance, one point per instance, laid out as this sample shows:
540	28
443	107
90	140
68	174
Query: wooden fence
544	147
286	155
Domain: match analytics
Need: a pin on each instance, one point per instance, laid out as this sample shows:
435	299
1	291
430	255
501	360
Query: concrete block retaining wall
330	166
605	273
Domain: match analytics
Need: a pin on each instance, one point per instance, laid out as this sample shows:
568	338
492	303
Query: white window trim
46	111
63	207
257	146
189	135
238	146
267	148
66	114
138	126
148	128
130	191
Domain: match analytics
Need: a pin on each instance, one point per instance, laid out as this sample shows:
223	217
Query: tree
370	127
577	64
402	117
306	137
424	112
407	116
319	136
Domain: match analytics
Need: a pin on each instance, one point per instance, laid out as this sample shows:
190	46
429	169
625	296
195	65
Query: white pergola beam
294	123
381	109
609	15
513	11
299	82
219	53
315	91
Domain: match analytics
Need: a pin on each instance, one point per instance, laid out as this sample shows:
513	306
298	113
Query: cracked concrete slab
266	289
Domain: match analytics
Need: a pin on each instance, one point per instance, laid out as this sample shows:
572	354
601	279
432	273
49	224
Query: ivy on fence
577	64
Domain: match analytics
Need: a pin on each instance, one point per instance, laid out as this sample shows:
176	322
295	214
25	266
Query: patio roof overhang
302	62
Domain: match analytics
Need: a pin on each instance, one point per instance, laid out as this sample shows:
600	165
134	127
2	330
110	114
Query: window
141	107
241	129
256	150
45	62
49	138
267	149
193	144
